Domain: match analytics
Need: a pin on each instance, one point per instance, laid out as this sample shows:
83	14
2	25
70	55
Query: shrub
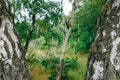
52	64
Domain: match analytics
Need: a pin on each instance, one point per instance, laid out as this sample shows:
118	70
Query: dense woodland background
43	28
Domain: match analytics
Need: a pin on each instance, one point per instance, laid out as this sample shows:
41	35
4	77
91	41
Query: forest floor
38	72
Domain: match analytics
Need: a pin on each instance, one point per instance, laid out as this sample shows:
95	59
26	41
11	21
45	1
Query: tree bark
12	62
104	60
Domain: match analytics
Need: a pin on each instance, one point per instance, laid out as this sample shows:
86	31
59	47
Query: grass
38	72
82	60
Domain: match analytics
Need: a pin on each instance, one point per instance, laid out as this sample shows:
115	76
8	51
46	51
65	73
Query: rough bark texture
104	60
12	62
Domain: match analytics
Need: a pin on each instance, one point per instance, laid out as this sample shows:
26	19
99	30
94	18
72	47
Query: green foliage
76	69
47	15
52	64
32	60
22	28
85	25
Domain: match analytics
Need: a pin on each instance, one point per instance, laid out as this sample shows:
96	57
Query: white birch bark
104	60
65	41
12	62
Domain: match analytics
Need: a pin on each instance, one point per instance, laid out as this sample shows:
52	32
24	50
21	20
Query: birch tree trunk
12	62
60	67
104	60
69	25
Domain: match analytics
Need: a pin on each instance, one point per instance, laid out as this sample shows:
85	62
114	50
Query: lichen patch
118	25
114	53
104	33
117	67
104	49
113	34
98	67
116	4
1	43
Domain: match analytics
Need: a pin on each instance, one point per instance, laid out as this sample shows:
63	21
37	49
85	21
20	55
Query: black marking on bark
19	42
2	55
17	66
10	39
7	49
0	23
118	75
2	72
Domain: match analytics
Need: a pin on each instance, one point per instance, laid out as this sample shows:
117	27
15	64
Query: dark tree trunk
104	60
30	34
12	62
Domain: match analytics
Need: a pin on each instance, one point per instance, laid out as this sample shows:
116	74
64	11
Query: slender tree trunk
104	60
12	62
30	34
63	55
69	25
